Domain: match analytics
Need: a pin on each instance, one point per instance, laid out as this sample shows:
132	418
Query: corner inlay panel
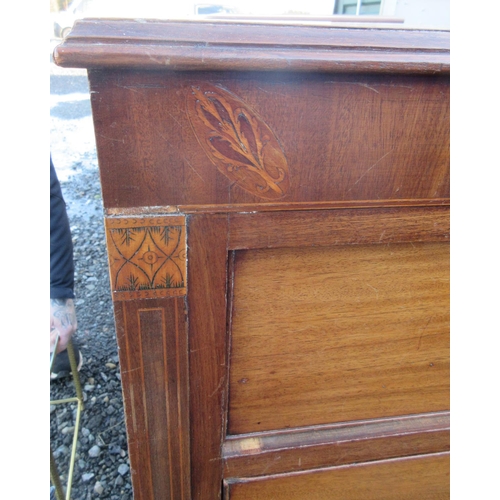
147	257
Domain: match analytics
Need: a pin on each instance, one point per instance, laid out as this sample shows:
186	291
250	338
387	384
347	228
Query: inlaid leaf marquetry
240	144
147	257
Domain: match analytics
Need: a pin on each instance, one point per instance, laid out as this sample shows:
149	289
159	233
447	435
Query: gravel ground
102	468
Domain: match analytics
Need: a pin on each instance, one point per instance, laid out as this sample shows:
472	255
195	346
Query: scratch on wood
392	85
219	386
423	331
185	159
193	169
273	93
133	414
271	462
399	86
111	139
368	87
340	458
197	350
158	60
372	167
235	183
175	119
130	371
132	89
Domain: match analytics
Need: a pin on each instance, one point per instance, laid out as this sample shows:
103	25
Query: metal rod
74	371
54	474
54	353
73	451
54	477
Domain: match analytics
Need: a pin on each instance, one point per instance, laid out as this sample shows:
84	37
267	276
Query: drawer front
334	334
404	479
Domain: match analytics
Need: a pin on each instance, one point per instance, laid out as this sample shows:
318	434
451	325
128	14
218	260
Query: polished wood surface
338	227
228	46
335	334
404	479
372	135
277	213
208	353
152	337
275	207
305	448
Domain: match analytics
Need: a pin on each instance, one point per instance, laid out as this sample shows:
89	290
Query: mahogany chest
277	215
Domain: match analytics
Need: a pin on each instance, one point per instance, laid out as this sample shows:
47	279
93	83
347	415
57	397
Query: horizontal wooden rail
321	446
338	227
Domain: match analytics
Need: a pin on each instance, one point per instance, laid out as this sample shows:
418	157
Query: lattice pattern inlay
147	256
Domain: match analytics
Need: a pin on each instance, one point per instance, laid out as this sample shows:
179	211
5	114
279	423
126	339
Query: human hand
62	322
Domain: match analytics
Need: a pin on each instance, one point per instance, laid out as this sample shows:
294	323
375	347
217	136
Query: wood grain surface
338	227
152	341
291	450
207	294
369	137
185	45
335	334
414	478
159	210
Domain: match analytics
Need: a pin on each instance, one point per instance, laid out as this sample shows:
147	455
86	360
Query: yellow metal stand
54	474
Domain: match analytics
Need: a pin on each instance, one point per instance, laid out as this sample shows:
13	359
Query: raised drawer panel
404	479
333	334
